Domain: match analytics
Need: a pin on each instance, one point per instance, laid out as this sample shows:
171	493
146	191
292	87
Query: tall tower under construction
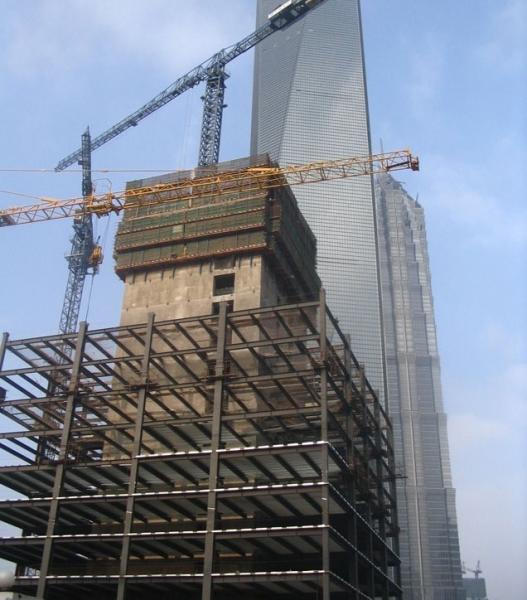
223	441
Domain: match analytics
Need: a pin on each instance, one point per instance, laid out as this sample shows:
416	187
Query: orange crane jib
249	179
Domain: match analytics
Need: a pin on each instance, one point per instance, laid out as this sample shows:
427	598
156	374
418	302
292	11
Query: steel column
134	465
61	464
206	591
324	436
3	347
367	452
381	497
353	565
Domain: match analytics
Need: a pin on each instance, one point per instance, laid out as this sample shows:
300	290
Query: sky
446	79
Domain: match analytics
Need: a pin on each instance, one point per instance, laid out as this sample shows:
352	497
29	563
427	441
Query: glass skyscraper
310	104
429	545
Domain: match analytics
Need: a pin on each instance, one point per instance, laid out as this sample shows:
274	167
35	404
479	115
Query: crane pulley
209	185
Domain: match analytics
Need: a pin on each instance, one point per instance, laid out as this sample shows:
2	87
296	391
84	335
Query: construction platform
230	215
238	454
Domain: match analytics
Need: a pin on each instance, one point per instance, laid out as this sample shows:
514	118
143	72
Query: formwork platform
232	215
237	455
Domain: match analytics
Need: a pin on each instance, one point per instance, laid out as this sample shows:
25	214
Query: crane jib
285	15
209	186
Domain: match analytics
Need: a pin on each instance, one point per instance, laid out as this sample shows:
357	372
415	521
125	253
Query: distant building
310	104
429	544
475	588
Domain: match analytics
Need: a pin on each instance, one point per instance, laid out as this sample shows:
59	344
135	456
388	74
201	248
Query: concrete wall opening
223	284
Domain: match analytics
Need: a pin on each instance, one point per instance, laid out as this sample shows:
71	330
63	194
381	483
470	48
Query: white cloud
512	345
506	46
489	449
497	394
485	413
470	430
493	521
57	37
426	77
464	200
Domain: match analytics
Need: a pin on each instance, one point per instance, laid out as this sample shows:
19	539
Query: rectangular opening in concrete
224	284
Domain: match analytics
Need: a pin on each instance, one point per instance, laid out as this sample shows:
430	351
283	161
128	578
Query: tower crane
477	571
212	71
255	179
85	254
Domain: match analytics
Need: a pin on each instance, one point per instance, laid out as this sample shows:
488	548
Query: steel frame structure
242	453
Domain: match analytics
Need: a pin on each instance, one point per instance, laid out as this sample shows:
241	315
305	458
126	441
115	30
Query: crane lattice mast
82	247
212	71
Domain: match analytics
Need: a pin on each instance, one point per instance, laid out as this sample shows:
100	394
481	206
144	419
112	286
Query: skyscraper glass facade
310	104
429	545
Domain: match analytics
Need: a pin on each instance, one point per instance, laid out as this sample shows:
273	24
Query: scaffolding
241	454
233	219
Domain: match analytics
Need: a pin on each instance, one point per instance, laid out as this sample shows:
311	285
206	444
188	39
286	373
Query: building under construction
221	442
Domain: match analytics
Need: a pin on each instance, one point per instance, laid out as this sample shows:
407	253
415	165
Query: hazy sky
447	79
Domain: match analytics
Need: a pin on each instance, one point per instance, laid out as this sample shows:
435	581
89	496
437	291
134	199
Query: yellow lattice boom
210	185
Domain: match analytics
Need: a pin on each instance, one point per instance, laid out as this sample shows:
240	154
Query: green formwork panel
165	234
190	222
137	223
232	223
305	279
198	249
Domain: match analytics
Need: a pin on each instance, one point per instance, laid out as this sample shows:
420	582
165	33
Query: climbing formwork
233	215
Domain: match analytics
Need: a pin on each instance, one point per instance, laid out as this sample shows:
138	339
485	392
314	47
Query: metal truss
213	105
211	186
211	457
290	12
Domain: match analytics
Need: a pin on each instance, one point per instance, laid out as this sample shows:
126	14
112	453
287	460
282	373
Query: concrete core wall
188	290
